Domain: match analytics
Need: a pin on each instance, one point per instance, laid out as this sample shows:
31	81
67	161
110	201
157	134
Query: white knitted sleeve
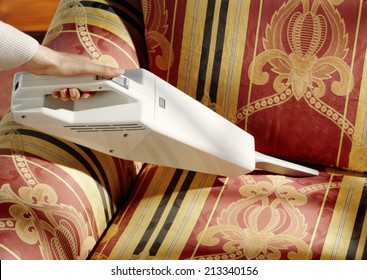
16	47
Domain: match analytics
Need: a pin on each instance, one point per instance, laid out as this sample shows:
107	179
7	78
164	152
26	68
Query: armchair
292	73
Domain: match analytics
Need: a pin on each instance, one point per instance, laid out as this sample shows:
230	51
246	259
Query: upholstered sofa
293	73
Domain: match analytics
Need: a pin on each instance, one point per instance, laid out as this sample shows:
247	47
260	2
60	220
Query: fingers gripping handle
38	86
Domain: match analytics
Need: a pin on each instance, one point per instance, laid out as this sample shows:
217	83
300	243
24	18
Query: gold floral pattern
311	53
85	38
32	211
261	224
155	17
37	215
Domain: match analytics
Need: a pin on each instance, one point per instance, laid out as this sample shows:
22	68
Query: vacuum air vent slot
106	127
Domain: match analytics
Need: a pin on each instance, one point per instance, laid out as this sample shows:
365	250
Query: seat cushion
292	75
57	198
176	214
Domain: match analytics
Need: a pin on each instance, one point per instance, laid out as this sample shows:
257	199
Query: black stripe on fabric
218	51
364	255
123	15
205	50
172	214
99	166
79	157
357	229
158	213
128	5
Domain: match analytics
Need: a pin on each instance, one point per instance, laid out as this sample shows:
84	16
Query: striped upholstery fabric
271	67
56	198
109	32
292	73
240	59
175	214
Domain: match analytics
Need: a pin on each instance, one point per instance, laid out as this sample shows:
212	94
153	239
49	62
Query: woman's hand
53	63
73	94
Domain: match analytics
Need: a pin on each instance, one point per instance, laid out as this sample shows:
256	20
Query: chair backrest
291	74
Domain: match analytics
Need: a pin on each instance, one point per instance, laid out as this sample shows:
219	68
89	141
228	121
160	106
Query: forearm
19	49
16	47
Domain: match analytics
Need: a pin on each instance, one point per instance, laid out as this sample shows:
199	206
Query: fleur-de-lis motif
258	227
306	45
299	59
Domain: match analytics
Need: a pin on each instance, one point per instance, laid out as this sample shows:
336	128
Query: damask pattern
255	216
315	47
292	62
56	198
37	217
65	238
156	27
306	58
85	38
291	72
258	226
285	71
106	31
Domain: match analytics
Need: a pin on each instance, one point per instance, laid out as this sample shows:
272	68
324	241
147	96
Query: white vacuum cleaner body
140	117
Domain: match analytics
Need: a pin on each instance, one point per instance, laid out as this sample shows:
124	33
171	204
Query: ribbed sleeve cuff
16	47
